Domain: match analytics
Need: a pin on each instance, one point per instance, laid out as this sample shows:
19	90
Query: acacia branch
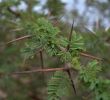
42	70
68	47
70	36
41	58
90	56
42	62
61	48
18	39
66	65
46	70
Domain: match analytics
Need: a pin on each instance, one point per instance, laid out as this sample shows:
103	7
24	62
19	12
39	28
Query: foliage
55	7
58	86
48	40
92	76
43	37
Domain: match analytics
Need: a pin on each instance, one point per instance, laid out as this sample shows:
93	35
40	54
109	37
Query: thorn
70	35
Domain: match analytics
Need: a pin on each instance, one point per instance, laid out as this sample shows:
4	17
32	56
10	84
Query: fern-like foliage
46	37
43	36
77	42
58	86
90	76
89	73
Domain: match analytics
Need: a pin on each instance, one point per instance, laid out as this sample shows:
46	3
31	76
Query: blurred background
90	16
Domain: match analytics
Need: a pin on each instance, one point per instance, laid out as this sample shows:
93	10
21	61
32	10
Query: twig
66	65
18	39
70	36
61	48
42	63
90	56
41	70
17	29
41	58
46	70
83	54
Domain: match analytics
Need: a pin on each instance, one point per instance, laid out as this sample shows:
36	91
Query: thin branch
69	73
17	29
41	58
66	65
70	35
61	48
90	56
41	70
42	63
18	39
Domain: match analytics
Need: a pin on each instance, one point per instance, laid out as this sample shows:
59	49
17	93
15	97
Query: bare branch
66	65
90	56
41	58
70	36
41	70
42	63
18	39
17	29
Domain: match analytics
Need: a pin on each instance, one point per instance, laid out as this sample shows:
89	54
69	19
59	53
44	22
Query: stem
70	36
66	65
69	73
90	56
41	70
41	58
42	64
18	39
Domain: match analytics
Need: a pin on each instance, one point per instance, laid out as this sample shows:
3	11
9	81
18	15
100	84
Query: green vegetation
41	59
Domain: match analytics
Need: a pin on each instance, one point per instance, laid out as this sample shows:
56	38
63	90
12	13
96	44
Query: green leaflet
98	85
43	36
77	42
46	37
90	73
76	63
58	86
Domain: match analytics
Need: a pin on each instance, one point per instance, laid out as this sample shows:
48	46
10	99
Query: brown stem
70	36
90	56
41	70
18	39
42	64
41	58
66	65
69	73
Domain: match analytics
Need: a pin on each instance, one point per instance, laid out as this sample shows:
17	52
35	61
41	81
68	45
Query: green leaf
77	42
76	63
58	86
